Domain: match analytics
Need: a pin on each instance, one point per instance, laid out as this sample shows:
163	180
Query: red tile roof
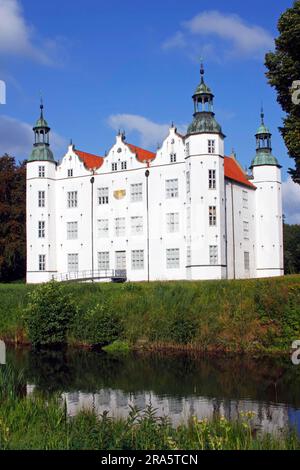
90	161
142	154
234	172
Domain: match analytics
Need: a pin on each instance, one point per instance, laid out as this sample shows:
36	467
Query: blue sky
129	64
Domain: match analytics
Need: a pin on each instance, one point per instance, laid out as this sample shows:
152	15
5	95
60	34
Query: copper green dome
262	130
41	153
204	122
41	122
263	158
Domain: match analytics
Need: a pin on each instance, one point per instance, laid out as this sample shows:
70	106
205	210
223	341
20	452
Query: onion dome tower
264	146
41	148
204	118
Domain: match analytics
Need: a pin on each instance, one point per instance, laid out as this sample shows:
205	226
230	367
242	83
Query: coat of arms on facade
119	194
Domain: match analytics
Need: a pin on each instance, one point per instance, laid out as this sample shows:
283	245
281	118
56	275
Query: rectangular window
73	263
41	172
42	262
246	230
173	222
103	228
171	189
114	167
247	260
120	227
41	230
211	146
72	230
212	216
124	165
103	197
187	149
41	199
188	256
188	182
212	183
137	259
70	173
213	255
245	200
72	199
136	192
103	261
173	158
173	258
136	225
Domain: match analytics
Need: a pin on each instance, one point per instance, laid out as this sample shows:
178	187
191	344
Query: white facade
196	216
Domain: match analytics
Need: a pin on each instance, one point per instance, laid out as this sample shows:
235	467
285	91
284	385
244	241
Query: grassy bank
257	316
30	424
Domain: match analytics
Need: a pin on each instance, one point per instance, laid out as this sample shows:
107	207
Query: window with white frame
103	228
245	200
73	263
103	261
187	149
41	172
41	229
213	255
72	199
72	230
212	182
137	225
247	260
124	165
120	227
188	256
103	197
173	158
70	173
136	192
114	167
212	216
172	188
246	230
137	259
173	261
42	262
211	146
173	222
41	198
188	182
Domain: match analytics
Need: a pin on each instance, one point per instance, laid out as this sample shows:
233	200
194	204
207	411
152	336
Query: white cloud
150	133
16	139
17	36
291	201
238	39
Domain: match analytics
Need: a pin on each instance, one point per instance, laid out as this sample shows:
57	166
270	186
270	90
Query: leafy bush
100	325
48	315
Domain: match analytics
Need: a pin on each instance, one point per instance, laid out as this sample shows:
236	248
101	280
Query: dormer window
124	165
114	167
173	158
70	173
211	146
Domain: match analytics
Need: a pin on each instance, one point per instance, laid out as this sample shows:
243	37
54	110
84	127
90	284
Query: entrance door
121	260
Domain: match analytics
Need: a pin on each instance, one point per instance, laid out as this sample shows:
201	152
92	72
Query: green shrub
182	329
100	325
117	347
48	315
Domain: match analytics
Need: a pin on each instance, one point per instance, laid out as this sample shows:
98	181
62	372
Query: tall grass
258	316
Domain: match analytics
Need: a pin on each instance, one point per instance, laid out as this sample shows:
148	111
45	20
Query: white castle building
184	212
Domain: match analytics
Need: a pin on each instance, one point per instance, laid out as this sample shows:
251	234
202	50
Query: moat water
179	386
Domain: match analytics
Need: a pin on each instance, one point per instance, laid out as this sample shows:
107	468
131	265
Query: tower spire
41	150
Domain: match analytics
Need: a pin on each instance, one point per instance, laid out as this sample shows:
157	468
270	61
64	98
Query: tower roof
41	122
264	155
263	130
41	149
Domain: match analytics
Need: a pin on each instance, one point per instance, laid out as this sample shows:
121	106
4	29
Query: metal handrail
90	274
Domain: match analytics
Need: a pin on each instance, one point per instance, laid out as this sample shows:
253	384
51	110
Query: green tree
283	69
12	219
291	249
